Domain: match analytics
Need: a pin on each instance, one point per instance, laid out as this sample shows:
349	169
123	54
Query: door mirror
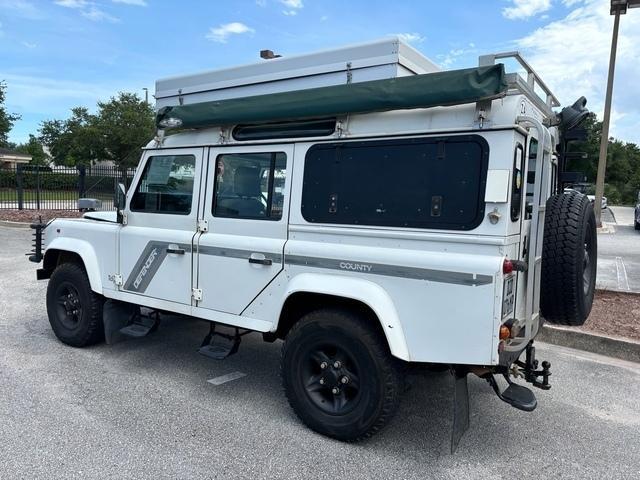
120	201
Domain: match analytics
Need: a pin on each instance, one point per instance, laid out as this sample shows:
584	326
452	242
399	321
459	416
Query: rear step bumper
518	396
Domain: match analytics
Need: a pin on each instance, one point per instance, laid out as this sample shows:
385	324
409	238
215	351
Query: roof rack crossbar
533	78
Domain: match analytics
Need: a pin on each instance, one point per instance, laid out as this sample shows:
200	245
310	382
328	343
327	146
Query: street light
618	7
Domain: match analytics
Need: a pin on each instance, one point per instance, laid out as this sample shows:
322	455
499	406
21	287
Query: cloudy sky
58	54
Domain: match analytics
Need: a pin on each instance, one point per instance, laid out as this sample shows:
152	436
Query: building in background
11	158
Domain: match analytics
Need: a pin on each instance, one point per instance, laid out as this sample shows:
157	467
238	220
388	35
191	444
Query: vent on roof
296	129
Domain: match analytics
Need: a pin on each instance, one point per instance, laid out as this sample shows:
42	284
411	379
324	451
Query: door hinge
203	226
117	279
196	294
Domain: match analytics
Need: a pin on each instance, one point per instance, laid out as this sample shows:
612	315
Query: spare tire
569	255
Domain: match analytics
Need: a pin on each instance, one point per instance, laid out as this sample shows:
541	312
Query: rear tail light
507	266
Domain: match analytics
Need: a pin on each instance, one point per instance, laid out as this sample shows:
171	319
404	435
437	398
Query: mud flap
116	315
460	408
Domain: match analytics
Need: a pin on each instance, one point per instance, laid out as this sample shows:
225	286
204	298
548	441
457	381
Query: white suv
400	232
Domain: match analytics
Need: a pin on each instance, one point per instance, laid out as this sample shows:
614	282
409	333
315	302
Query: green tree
125	124
34	148
6	119
73	141
116	132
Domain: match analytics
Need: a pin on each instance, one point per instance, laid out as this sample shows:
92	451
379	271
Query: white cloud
450	58
522	9
21	8
221	33
72	3
261	3
1	31
292	7
292	3
410	37
88	10
29	45
96	15
137	3
572	57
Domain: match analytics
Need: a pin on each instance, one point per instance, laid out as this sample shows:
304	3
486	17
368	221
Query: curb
7	223
623	349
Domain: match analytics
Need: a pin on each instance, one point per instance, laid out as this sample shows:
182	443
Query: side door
247	209
156	244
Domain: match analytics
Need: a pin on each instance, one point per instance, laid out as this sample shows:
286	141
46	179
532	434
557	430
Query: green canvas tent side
452	87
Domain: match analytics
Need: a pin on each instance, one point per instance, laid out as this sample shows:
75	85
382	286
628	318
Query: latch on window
436	205
333	203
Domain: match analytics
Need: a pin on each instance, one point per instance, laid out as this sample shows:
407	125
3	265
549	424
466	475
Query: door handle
177	251
260	259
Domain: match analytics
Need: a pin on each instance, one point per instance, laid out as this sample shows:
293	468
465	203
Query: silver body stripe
236	253
155	252
441	276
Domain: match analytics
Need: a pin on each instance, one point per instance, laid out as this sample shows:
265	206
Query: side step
141	326
515	395
218	345
123	320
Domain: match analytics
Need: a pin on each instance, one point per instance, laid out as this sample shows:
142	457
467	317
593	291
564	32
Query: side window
517	185
250	185
166	185
436	182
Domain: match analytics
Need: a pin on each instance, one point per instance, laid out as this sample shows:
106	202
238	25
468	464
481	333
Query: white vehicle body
363	206
437	293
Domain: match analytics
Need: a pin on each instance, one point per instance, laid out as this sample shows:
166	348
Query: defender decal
148	264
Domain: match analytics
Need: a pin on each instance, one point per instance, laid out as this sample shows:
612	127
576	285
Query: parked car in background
636	216
592	199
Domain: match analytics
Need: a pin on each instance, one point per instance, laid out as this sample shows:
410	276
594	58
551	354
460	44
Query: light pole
618	7
146	94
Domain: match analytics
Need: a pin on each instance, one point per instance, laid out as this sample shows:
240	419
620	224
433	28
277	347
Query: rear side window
517	184
414	183
250	185
166	185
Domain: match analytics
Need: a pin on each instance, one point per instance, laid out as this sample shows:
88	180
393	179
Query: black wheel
569	257
75	311
339	376
636	225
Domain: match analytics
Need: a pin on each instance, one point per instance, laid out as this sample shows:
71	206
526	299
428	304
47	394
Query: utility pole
618	7
146	95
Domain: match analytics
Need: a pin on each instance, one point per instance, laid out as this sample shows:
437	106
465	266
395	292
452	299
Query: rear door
156	244
246	209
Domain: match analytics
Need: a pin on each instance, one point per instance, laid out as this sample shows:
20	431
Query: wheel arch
63	250
308	291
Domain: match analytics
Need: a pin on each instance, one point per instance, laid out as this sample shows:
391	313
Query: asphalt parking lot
619	252
144	409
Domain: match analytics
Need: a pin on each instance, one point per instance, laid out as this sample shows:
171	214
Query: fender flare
365	291
86	253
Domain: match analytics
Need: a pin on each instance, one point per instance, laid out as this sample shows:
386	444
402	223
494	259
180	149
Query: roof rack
527	87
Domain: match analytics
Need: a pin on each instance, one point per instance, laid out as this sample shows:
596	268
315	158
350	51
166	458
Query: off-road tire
569	255
380	375
86	328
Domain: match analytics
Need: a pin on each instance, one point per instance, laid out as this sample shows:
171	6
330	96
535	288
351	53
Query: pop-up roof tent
393	76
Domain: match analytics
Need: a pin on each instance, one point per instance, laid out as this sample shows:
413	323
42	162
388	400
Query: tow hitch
529	369
519	396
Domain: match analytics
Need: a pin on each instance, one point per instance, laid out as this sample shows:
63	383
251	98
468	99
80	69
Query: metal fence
30	187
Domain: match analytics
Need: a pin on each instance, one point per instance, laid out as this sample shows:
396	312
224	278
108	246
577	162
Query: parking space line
226	378
621	270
